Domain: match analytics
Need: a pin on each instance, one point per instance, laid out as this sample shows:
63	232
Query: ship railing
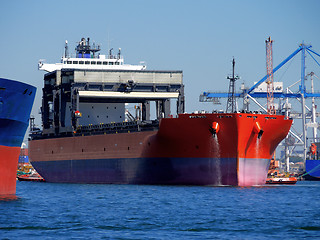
100	129
103	57
121	127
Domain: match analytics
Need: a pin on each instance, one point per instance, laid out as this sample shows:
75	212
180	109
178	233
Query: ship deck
100	129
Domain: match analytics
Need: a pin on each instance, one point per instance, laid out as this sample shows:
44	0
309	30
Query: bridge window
110	63
93	62
99	63
69	62
86	62
105	63
75	62
81	62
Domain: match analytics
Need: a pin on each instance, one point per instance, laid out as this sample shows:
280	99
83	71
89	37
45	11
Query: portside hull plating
169	171
183	151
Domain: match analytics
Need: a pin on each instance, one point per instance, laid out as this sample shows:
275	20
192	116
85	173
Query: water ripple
45	211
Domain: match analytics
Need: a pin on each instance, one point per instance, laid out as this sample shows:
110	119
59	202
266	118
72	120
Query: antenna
110	53
108	41
231	103
66	51
119	53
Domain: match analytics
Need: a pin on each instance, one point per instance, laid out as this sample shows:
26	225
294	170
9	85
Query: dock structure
83	97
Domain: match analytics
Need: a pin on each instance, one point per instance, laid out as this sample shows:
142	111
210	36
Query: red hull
8	169
189	136
185	150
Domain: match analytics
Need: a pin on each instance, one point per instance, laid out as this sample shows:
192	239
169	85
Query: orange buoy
257	129
215	127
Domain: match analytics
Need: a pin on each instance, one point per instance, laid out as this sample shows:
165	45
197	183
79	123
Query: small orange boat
32	178
281	180
274	177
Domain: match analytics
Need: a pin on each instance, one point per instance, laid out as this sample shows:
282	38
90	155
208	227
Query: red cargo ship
185	150
86	140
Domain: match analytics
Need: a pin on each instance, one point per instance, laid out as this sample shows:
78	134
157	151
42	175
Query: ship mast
84	49
66	50
231	103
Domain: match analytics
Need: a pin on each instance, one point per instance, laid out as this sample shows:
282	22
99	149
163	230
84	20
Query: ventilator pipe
257	129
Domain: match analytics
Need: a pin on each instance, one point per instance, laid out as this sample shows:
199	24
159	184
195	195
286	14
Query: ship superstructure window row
93	62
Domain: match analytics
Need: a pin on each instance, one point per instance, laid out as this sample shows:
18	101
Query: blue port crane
206	96
249	93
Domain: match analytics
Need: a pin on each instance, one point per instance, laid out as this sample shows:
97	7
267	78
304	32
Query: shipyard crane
253	93
270	105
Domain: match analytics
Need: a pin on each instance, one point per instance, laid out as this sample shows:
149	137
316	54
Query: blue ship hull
168	171
313	169
16	100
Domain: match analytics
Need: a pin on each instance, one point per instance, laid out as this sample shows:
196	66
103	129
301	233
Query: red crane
269	81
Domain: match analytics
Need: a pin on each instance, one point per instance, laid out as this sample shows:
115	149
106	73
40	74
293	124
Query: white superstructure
86	58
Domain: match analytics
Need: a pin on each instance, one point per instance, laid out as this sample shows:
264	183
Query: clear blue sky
198	37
